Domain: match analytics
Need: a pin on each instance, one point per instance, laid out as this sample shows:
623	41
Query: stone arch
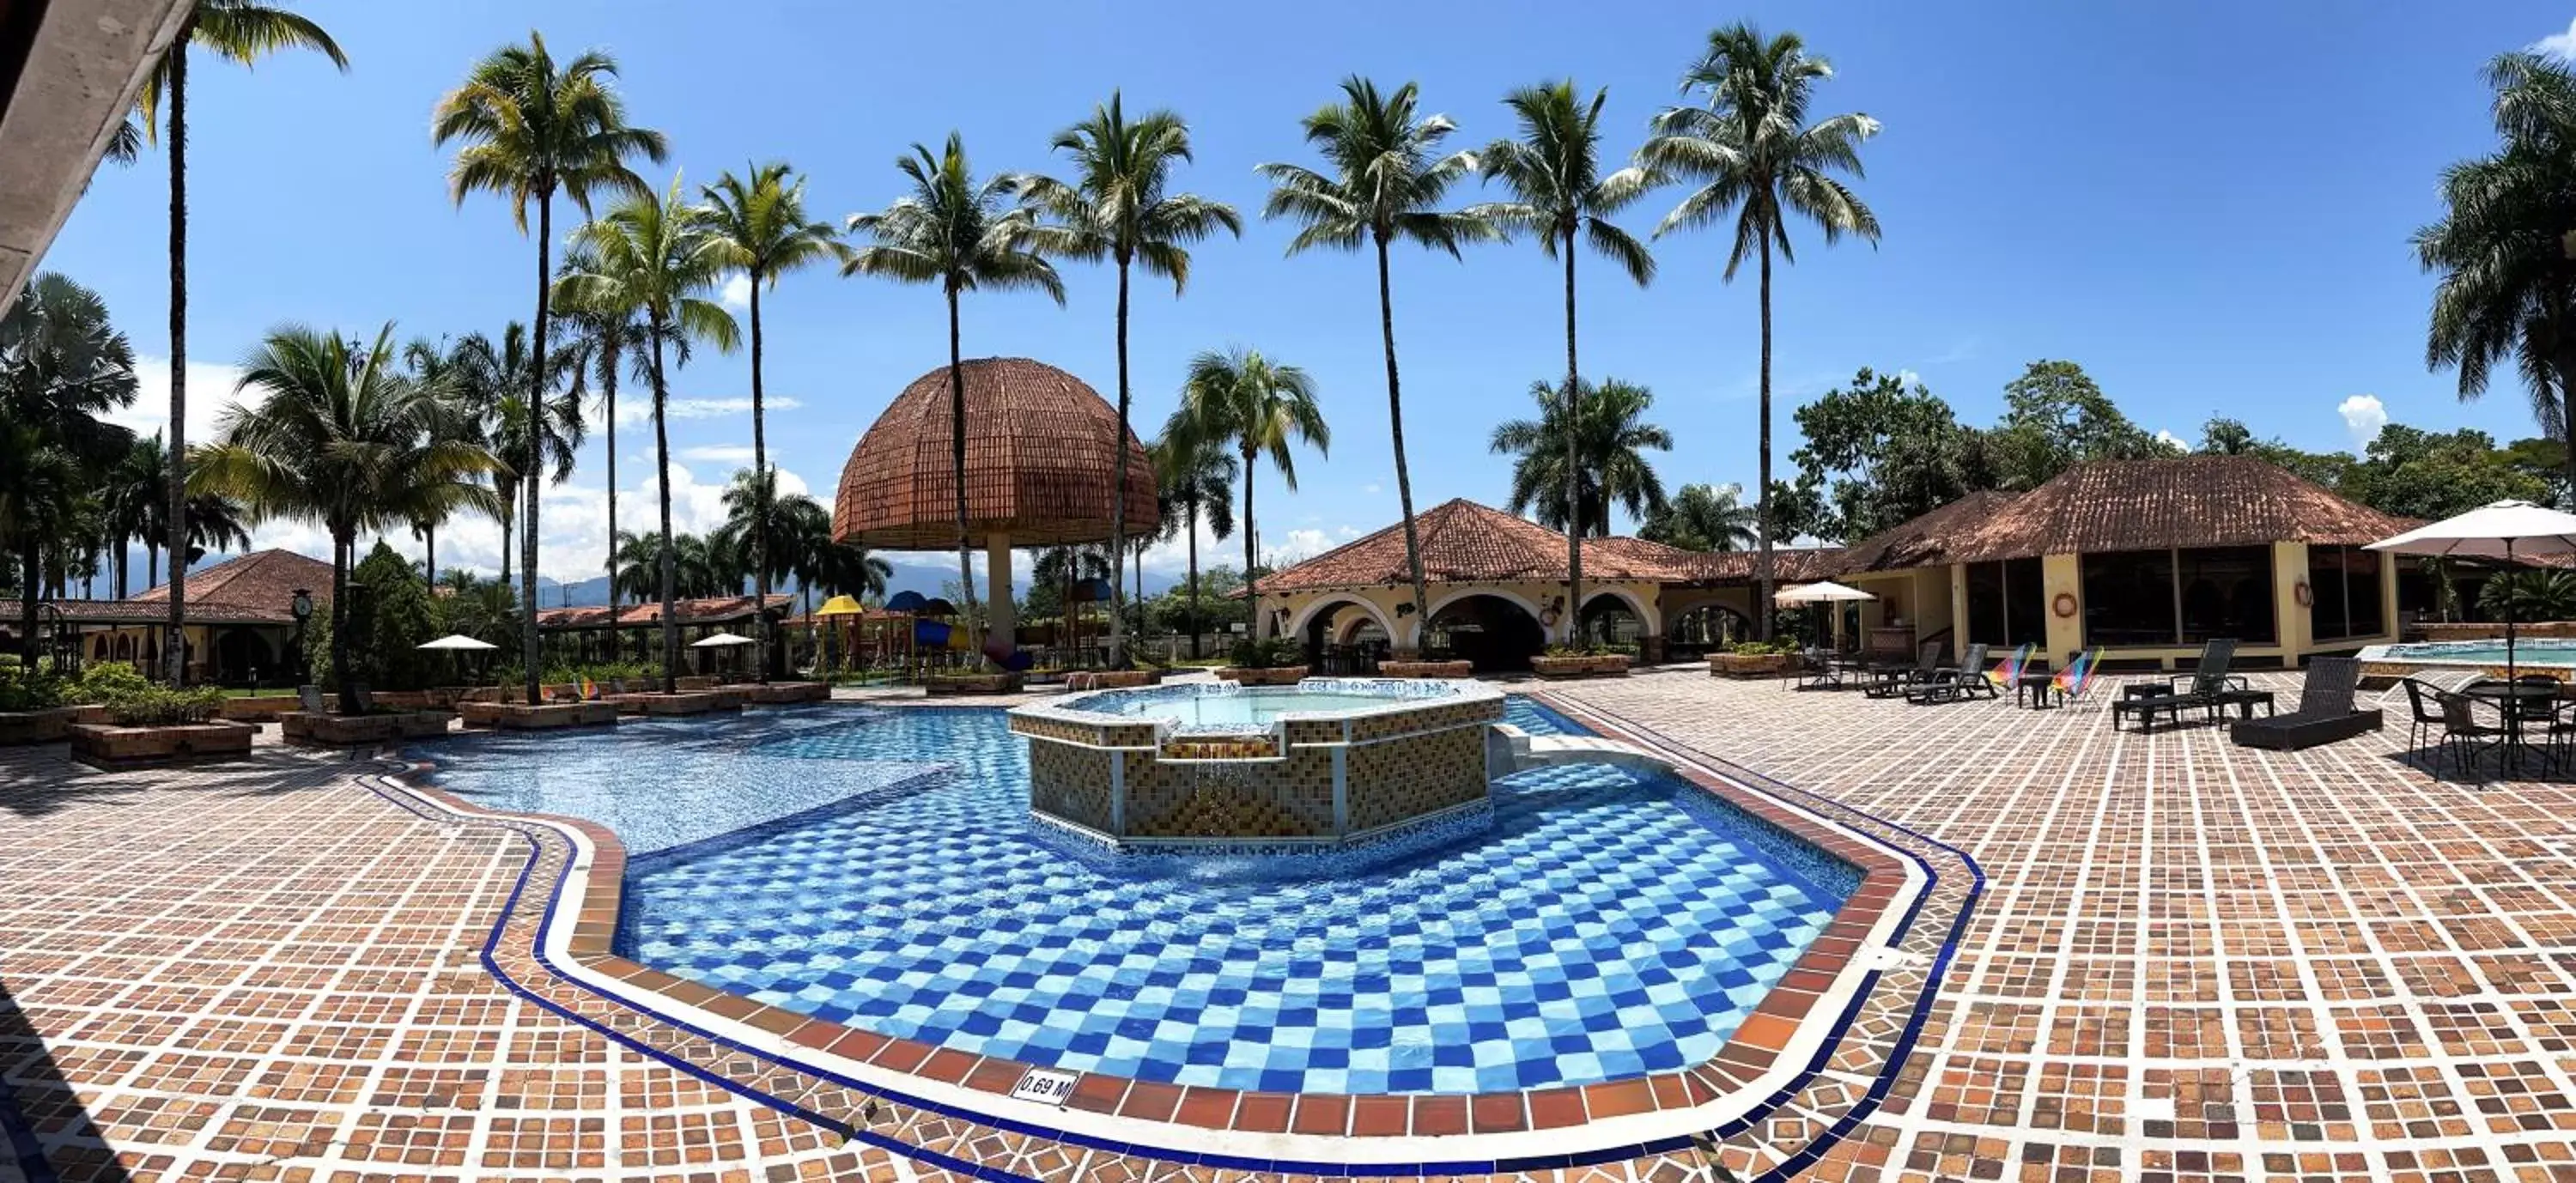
1649	622
1298	620
1497	630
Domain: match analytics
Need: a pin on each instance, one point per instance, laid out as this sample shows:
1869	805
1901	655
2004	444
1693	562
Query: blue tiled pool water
1605	926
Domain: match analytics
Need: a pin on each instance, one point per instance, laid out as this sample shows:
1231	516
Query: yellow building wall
2062	575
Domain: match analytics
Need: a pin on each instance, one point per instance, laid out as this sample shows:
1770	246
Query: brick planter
1426	669
783	693
1284	675
1605	665
51	725
335	731
1750	665
110	746
518	716
947	685
265	708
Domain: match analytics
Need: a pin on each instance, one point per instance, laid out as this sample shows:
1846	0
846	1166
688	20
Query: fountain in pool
1325	762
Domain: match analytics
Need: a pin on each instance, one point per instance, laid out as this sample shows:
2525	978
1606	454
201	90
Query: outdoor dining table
2518	703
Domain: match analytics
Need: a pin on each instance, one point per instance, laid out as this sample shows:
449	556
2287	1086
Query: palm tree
342	436
243	31
603	338
758	227
530	129
1756	154
1703	517
964	236
1554	173
754	511
131	496
1608	439
646	253
2508	283
1241	399
214	522
485	399
62	366
1116	207
1387	183
1199	481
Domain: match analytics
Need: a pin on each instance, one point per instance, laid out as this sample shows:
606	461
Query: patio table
2518	703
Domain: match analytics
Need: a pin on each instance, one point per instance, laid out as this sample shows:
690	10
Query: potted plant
1273	661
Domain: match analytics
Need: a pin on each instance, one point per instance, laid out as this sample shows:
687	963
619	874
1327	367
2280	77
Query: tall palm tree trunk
1118	489
1251	586
608	393
1762	514
670	571
174	649
429	554
957	462
1573	461
122	562
1395	438
759	489
151	567
507	517
1195	623
341	541
2566	365
535	479
31	573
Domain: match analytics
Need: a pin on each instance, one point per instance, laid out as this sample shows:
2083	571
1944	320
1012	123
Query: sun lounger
1890	680
2209	689
2325	713
1951	683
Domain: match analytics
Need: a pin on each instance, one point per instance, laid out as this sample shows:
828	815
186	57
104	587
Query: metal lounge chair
1950	683
2209	688
1892	679
2067	686
2007	675
2325	713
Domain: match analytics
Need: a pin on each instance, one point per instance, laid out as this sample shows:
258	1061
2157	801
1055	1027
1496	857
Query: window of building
2129	598
2007	604
2226	592
2343	587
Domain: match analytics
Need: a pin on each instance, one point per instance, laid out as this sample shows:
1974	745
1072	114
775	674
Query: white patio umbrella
720	641
458	642
1823	591
2507	530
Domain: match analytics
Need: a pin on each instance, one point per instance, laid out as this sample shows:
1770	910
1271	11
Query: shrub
106	684
133	700
23	691
1266	654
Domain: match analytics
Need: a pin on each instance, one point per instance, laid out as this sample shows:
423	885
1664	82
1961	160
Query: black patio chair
2464	735
2325	713
1817	670
2424	712
1950	683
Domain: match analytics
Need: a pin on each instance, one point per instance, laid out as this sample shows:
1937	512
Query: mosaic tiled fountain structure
1322	763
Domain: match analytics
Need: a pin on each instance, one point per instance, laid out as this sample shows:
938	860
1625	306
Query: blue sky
2206	205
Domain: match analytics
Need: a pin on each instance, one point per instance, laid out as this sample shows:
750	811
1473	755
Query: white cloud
1296	547
640	410
210	392
2173	441
2363	416
737	291
1908	378
1372	488
719	453
2558	45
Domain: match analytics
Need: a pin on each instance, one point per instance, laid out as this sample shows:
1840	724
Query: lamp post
301	607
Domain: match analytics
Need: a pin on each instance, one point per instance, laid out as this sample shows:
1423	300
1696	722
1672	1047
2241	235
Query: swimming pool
2544	654
879	868
1226	705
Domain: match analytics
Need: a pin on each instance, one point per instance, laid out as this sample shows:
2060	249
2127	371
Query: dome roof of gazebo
1039	463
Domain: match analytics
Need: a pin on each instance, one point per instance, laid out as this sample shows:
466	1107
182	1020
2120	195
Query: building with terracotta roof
633	632
241	619
2145	558
1498	585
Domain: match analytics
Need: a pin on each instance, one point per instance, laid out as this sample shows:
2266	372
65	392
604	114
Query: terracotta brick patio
2190	961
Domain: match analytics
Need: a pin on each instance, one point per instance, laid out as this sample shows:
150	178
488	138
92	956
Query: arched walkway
1342	637
1705	628
1496	634
1610	618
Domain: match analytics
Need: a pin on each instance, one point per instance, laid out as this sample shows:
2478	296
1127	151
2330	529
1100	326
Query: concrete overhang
69	70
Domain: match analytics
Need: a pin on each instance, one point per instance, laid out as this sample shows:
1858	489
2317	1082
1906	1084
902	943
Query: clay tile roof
1039	463
1464	542
1789	564
706	610
99	612
258	587
2113	505
1927	541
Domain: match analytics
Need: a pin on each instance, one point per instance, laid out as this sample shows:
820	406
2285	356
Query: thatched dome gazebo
1040	460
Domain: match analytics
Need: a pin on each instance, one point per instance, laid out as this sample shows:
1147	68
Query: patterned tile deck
2190	962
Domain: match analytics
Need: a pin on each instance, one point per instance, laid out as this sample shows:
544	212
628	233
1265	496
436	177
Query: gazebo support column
1000	612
